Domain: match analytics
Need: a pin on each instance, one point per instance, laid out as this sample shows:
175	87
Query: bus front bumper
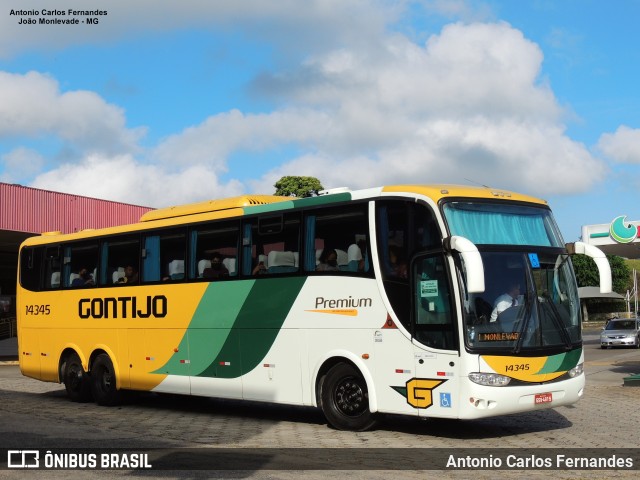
484	401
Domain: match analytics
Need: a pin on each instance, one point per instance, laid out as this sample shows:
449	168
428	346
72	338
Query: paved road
38	415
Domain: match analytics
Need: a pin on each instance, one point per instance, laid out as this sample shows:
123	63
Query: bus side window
30	268
163	256
80	265
403	229
271	245
119	255
433	320
220	239
52	272
342	230
173	246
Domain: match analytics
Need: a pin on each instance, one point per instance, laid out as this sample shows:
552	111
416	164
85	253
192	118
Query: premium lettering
123	307
350	302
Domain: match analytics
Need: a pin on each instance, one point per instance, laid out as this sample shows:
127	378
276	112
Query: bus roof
211	206
439	191
251	204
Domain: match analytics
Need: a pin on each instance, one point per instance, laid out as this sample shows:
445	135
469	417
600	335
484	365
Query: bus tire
345	399
76	381
103	381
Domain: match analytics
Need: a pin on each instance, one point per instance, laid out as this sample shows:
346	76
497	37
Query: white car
621	332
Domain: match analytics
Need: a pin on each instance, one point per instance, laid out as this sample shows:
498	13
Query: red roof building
25	212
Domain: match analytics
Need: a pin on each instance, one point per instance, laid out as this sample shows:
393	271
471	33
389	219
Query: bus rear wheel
345	399
76	381
103	381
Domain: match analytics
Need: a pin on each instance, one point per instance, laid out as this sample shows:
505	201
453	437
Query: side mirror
472	261
600	259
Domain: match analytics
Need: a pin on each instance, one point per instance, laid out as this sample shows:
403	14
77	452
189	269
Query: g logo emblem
420	391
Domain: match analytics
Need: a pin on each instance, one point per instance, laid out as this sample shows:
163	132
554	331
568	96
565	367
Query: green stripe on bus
210	326
299	203
256	327
561	362
322	200
269	207
571	359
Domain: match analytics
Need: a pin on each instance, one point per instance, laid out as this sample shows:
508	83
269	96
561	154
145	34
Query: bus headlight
489	379
577	370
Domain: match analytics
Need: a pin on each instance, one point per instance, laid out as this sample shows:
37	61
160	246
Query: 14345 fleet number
38	309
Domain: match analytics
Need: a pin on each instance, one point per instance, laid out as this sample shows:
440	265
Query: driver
506	300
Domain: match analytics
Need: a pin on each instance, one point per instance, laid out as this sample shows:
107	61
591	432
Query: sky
180	101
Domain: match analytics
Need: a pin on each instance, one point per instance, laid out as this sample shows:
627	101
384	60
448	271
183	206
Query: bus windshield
502	224
530	299
531	302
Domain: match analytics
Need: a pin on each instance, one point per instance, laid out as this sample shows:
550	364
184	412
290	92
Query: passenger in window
85	279
217	269
130	275
397	262
259	269
328	261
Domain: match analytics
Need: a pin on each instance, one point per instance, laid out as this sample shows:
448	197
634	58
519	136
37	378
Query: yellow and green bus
383	300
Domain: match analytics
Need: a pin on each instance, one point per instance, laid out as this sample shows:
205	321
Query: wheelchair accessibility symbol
445	400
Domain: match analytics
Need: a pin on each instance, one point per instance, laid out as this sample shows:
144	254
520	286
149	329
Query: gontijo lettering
123	307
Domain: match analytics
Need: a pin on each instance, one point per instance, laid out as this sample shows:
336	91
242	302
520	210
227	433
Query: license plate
543	398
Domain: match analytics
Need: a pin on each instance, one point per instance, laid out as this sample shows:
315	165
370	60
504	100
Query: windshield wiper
523	328
557	320
528	306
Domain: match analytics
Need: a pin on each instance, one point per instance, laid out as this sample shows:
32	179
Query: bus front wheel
345	399
76	381
103	381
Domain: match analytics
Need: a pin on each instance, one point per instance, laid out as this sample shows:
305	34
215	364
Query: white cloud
622	146
20	163
124	179
32	105
469	104
536	159
219	136
478	67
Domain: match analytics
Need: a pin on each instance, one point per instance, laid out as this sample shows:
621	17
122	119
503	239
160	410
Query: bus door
393	361
435	388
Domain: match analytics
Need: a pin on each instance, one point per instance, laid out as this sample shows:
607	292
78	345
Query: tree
633	265
587	276
291	186
586	271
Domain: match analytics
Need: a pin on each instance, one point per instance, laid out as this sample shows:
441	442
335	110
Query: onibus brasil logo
621	231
